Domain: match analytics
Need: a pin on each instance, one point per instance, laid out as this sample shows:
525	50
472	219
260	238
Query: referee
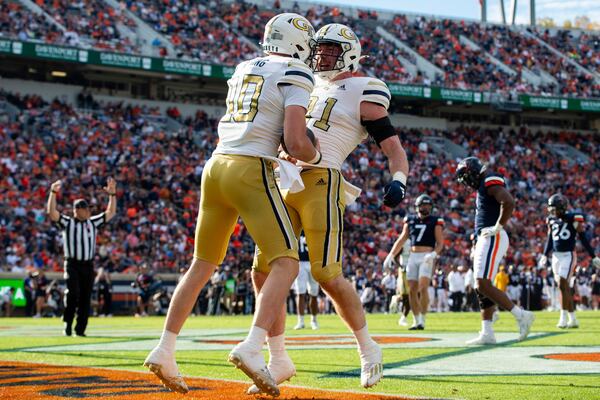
79	240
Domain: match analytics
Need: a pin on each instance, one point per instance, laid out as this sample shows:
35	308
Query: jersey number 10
242	98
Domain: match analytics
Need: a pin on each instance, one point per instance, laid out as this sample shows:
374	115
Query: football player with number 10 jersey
267	99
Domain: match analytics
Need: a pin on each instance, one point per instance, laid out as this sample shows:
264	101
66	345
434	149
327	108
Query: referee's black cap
80	203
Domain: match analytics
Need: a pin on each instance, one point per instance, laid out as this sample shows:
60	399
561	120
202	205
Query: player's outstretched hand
394	193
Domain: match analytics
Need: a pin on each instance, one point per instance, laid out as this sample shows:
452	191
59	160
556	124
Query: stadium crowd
220	32
158	174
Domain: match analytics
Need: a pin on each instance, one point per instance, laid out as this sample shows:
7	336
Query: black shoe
413	328
81	334
67	331
420	327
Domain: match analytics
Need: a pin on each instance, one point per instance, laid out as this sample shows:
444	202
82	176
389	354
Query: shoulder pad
494	179
297	73
375	91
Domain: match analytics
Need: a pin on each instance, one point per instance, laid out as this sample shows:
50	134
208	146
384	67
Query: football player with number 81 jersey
344	111
563	229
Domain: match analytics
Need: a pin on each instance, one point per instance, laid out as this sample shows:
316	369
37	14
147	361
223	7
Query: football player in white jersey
344	111
268	97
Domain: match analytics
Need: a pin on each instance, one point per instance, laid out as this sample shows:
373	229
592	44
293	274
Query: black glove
394	193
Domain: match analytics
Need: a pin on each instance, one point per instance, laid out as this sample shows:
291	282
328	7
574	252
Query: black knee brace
484	302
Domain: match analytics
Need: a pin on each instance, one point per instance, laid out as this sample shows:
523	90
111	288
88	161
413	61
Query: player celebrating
344	110
563	228
427	239
268	97
305	283
495	206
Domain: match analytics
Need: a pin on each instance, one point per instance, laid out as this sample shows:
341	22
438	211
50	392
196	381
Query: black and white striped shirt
79	237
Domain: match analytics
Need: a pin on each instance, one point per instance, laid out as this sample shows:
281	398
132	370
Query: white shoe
314	325
252	363
402	321
562	324
525	324
371	367
299	325
573	324
282	369
483	339
495	316
163	365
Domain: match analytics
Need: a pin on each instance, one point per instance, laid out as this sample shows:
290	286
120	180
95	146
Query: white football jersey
253	124
334	115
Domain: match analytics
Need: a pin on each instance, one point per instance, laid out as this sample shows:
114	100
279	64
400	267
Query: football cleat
562	324
299	325
402	321
418	327
282	369
163	365
525	324
252	363
314	325
483	339
573	324
371	367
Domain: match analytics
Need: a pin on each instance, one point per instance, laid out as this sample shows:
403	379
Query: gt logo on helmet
347	34
302	24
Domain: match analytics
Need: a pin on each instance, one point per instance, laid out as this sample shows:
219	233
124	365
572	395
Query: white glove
491	231
543	261
596	262
430	257
389	261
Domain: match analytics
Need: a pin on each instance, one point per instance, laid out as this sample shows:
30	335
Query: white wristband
316	159
399	176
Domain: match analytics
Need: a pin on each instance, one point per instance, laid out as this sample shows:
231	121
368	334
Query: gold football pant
319	211
233	186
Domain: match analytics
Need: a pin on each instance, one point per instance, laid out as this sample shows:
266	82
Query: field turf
122	343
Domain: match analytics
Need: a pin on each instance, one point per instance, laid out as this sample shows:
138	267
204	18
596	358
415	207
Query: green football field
435	363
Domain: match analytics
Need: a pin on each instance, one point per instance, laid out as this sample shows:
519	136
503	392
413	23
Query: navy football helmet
557	205
469	172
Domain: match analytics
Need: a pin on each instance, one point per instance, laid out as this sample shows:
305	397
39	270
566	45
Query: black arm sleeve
380	129
586	244
548	247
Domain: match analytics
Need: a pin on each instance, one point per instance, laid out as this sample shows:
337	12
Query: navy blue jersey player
425	232
563	229
495	206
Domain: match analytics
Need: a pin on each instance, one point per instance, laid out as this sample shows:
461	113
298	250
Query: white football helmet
291	34
350	46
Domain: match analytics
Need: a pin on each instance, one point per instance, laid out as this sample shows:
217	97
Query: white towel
289	175
351	192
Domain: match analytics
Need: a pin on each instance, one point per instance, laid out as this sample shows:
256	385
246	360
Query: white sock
276	345
301	319
313	318
422	319
517	312
416	319
572	316
486	327
363	339
256	337
167	341
563	315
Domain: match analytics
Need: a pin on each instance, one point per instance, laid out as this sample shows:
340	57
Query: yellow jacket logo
302	24
348	34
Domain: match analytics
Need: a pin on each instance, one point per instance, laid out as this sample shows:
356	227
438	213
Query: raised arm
375	119
51	206
111	208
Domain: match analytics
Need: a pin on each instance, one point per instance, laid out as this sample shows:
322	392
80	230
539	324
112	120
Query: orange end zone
20	380
593	357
